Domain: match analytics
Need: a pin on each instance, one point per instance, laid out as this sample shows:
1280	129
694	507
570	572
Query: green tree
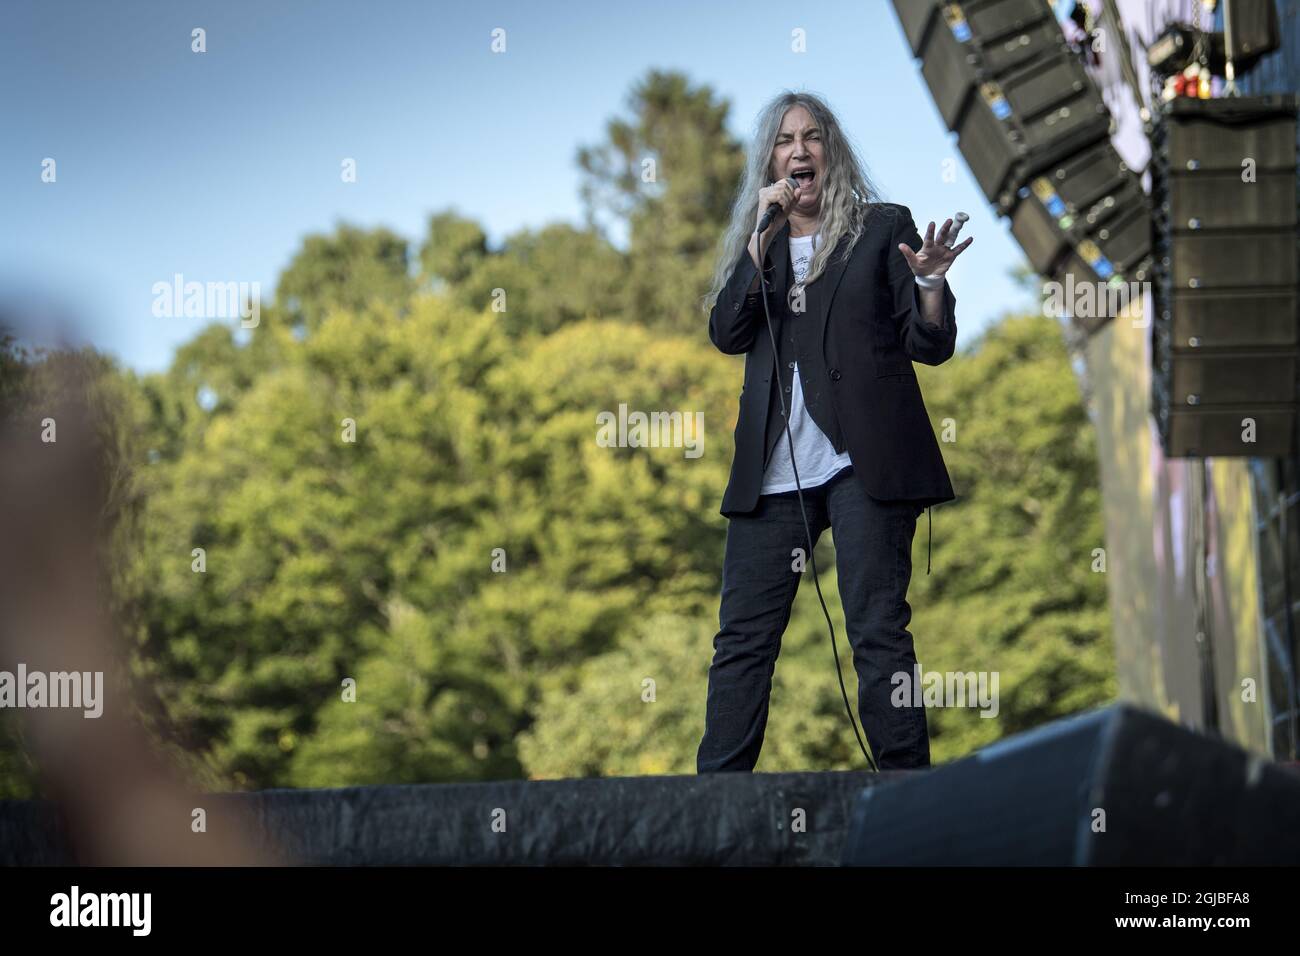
453	245
348	271
666	174
468	439
546	280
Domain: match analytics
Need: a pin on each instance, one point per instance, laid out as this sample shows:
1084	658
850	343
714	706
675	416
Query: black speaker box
1241	318
1192	135
1174	49
1225	340
1105	241
1080	198
1230	258
1232	378
1119	224
983	41
914	16
1029	120
1075	270
1222	200
1220	432
1251	30
1114	787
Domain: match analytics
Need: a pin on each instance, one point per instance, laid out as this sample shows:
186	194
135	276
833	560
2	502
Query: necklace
796	291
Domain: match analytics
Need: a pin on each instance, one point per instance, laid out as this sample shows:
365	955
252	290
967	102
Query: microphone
775	208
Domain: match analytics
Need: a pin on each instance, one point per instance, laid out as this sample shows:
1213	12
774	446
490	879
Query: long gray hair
848	195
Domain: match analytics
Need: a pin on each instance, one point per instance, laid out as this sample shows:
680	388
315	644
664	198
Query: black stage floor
764	819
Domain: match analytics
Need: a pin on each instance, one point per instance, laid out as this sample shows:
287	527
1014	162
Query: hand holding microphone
777	200
774	202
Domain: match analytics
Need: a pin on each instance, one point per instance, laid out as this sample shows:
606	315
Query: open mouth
803	175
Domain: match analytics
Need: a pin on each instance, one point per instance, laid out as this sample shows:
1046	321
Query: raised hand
934	259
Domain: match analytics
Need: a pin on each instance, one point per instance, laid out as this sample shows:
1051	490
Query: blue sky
216	165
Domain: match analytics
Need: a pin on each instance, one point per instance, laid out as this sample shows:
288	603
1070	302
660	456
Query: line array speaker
1006	81
1225	335
1086	216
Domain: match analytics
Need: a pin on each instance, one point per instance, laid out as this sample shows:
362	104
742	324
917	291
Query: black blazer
871	330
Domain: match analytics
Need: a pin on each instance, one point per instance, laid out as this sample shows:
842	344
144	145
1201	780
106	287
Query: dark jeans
873	559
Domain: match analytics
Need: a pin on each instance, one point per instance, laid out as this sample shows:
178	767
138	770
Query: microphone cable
812	558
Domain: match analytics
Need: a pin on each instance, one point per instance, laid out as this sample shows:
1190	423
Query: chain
1199	52
1200	47
1229	68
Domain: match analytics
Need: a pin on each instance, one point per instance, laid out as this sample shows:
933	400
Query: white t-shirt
813	451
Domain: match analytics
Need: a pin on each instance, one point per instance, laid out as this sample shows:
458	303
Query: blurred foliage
666	174
353	624
347	271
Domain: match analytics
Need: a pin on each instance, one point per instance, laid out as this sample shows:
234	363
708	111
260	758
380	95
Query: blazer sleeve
923	342
738	314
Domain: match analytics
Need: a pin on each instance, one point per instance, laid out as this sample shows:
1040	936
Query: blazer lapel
818	296
780	251
822	292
